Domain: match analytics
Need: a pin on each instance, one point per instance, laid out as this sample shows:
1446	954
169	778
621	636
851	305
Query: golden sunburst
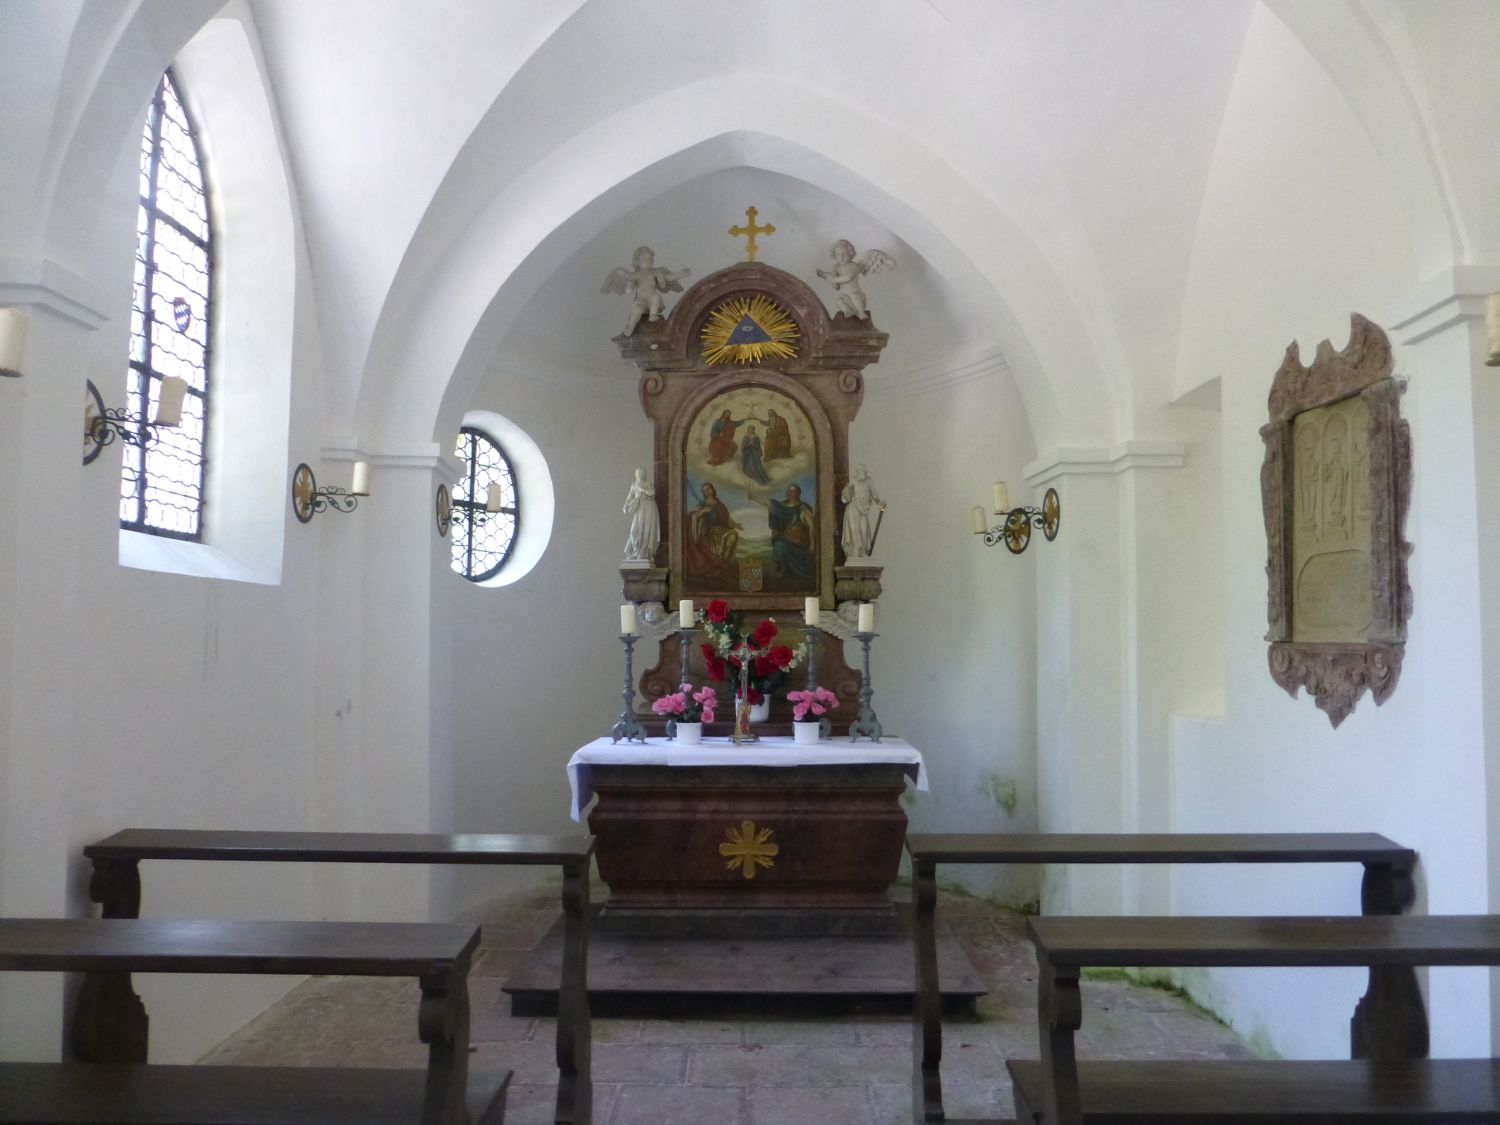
749	330
746	848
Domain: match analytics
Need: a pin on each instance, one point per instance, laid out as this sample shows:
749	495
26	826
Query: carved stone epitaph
1335	486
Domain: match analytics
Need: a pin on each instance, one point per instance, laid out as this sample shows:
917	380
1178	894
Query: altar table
730	831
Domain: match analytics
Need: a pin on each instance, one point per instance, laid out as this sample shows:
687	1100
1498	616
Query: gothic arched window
486	507
161	483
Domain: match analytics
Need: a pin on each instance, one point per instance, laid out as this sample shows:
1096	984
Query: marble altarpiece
751	386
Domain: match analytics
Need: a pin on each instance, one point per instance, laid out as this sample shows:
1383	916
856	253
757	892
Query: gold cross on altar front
750	230
747	848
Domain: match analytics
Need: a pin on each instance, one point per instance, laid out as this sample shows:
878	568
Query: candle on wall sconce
811	611
308	498
1491	323
492	500
627	620
1014	528
867	617
12	342
685	614
103	425
169	401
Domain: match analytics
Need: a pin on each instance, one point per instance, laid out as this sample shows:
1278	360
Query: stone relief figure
647	285
862	506
846	270
1308	490
645	520
1336	475
1359	440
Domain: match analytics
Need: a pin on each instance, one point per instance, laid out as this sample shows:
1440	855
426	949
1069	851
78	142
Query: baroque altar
751	386
771	837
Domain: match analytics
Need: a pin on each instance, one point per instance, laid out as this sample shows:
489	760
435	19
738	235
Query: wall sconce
475	515
1491	323
308	498
12	342
101	426
1015	529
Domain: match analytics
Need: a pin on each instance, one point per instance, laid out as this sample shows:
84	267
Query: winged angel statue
647	285
846	270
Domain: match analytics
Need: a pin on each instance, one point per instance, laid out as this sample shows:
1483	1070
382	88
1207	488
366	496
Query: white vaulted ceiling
462	165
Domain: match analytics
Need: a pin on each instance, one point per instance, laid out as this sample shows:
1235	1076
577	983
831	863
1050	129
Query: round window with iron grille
486	507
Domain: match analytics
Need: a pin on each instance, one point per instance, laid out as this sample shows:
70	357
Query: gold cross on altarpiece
750	230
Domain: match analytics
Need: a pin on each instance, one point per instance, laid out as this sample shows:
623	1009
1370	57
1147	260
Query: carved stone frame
1336	674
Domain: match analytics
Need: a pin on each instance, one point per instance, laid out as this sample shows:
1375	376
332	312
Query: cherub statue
646	284
846	270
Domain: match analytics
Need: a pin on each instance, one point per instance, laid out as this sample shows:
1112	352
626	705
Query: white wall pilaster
1455	573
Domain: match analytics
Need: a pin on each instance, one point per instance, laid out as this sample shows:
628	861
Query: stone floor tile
533	1104
795	1033
791	1105
703	1031
640	1063
797	1066
678	1105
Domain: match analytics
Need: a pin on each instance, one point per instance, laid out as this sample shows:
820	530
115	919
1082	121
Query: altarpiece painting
1335	487
751	386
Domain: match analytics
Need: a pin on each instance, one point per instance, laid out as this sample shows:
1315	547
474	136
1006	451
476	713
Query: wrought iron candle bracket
102	425
628	726
867	725
1015	529
308	499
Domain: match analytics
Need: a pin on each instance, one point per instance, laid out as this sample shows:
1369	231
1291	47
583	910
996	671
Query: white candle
169	401
492	500
12	341
1002	496
867	617
361	485
1491	316
627	620
685	613
979	521
810	610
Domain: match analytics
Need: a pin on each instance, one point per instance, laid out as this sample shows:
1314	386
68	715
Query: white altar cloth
723	752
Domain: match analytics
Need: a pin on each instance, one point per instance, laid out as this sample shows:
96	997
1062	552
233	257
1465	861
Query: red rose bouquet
730	649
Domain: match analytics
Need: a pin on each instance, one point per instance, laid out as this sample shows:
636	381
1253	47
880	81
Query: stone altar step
638	975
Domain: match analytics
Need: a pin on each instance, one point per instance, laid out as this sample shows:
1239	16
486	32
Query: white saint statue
647	285
645	521
846	270
862	507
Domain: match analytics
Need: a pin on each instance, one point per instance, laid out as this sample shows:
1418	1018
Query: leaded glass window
161	486
483	538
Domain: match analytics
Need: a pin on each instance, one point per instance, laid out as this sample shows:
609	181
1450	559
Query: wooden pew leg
110	1024
1390	1020
1060	1008
927	1032
443	1024
575	1091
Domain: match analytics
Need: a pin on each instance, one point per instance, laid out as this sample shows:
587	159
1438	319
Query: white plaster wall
1299	228
954	668
135	697
536	665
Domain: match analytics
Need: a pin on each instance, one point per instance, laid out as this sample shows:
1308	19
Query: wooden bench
1057	1090
1387	888
116	886
438	955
